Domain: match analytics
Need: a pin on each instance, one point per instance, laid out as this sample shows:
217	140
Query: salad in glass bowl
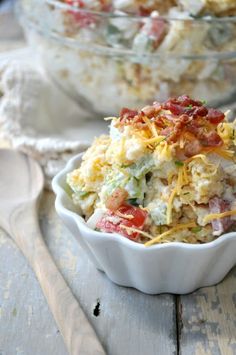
166	173
107	54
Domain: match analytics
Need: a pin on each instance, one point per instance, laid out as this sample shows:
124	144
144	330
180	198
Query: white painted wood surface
208	319
21	185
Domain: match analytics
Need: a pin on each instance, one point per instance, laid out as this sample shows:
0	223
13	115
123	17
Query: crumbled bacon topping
127	115
178	118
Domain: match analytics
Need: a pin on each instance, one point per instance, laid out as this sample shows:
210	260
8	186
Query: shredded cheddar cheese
224	153
212	216
122	215
170	231
151	126
155	140
225	131
169	206
135	230
198	156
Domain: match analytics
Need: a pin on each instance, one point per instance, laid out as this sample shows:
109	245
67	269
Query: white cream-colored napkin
37	118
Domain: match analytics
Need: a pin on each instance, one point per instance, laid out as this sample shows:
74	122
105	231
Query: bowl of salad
108	54
153	203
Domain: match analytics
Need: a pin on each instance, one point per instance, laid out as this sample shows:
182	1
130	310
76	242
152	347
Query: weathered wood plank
26	324
209	319
129	322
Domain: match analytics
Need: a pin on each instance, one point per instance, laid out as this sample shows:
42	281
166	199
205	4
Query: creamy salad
145	7
165	173
137	51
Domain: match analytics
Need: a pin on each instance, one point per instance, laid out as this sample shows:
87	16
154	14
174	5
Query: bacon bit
217	205
151	111
185	100
192	148
177	129
173	108
186	116
194	127
159	121
116	199
215	116
166	131
185	105
211	139
200	111
126	114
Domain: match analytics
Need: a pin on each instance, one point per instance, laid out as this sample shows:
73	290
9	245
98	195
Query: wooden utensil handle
77	332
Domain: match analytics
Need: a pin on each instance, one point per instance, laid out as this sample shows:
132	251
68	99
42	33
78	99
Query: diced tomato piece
82	18
76	3
138	214
139	217
157	30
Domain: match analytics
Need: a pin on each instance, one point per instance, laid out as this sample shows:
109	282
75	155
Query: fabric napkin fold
35	114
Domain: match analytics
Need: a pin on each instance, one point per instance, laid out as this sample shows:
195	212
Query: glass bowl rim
207	18
28	24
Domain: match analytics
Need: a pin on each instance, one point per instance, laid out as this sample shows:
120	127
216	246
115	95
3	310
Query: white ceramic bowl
166	268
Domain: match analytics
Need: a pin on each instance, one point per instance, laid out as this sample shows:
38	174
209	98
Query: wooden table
127	321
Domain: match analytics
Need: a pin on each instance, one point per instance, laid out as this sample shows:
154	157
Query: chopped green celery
179	163
135	187
143	166
196	229
114	35
143	43
112	30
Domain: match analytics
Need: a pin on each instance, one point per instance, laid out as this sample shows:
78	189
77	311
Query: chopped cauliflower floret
86	203
206	181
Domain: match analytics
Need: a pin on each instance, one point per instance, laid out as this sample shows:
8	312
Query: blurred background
11	35
128	54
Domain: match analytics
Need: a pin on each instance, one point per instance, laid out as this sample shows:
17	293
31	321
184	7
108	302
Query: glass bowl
109	60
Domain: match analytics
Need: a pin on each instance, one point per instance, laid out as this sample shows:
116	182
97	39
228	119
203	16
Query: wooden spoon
21	182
